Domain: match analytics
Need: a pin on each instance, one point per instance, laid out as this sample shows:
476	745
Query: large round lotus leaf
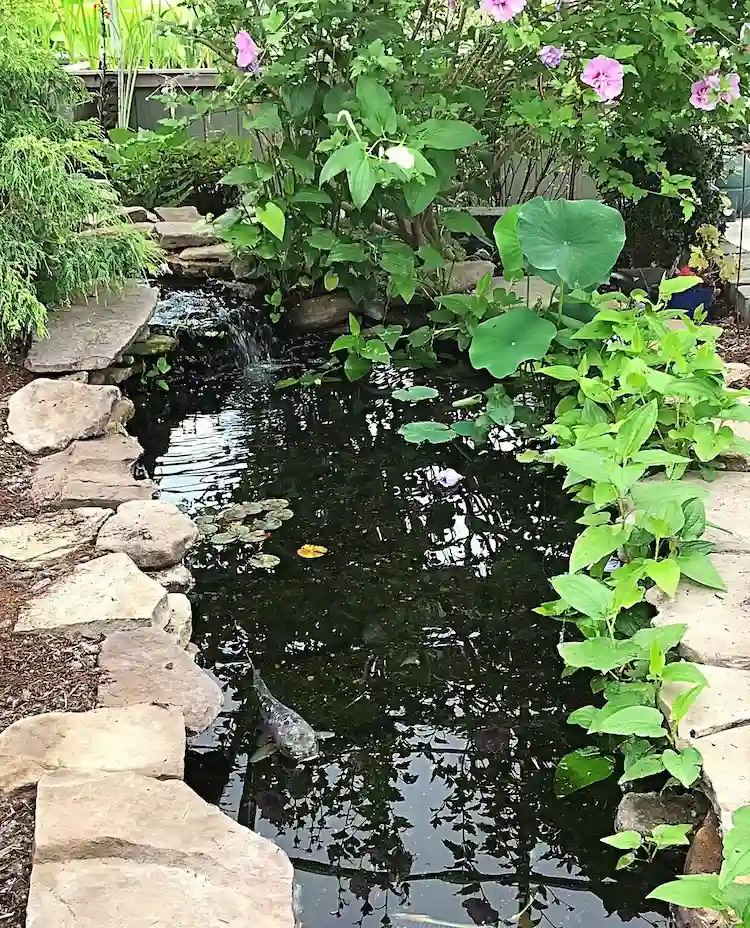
503	342
578	239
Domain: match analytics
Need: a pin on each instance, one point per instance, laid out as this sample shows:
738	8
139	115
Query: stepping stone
222	253
101	596
121	851
724	704
51	536
47	415
726	767
147	666
177	236
98	472
718	623
154	533
149	740
91	334
178	214
179	621
177	579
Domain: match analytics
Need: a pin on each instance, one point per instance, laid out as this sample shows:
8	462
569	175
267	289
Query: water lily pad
312	551
270	524
283	514
265	560
239	529
251	509
255	537
274	503
232	514
224	538
207	529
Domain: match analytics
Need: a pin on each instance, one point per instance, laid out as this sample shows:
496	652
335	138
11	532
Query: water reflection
413	640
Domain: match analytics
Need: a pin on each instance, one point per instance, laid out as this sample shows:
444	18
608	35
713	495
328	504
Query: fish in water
285	730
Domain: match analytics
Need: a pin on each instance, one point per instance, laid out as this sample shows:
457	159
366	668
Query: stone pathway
113	819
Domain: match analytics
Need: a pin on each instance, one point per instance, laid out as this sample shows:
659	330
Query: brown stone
177	236
318	313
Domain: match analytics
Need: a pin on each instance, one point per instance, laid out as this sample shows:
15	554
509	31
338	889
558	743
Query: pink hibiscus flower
605	76
502	10
247	52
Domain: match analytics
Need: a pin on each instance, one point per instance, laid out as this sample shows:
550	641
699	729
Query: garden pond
412	640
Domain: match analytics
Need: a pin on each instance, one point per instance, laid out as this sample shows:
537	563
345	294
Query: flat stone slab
104	595
52	536
177	579
98	472
91	334
47	415
726	767
147	666
178	623
122	851
178	214
718	623
177	236
221	252
724	704
154	533
148	740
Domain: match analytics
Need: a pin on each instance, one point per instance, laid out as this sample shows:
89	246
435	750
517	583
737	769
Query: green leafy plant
156	373
640	848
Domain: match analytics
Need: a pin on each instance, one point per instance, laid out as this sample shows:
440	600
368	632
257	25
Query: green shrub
48	252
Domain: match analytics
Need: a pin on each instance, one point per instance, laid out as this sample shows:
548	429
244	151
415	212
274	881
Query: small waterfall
251	339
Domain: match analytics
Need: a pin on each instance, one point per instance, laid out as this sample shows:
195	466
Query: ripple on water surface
413	640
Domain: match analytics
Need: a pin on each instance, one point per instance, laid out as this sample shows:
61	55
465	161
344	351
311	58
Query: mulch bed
37	673
734	343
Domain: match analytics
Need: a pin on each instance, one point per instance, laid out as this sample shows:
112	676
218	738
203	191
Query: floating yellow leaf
310	551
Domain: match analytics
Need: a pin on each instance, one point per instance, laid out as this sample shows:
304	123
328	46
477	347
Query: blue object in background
689	300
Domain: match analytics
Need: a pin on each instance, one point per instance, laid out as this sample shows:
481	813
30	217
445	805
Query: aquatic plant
48	252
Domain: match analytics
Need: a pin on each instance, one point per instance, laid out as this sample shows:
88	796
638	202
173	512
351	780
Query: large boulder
154	533
642	812
177	236
148	740
148	666
91	334
177	579
318	313
47	415
98	472
122	850
178	623
104	595
51	536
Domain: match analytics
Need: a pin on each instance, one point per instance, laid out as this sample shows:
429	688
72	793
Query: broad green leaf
341	159
666	636
505	233
624	840
596	542
685	766
665	574
649	493
635	429
655	458
299	98
584	594
589	464
583	716
356	368
602	654
561	372
376	107
242	174
375	350
671	835
502	343
625	861
415	394
447	134
642	721
266	119
581	768
322	239
736	850
684	672
362	179
699	568
673	285
500	407
418	195
580	240
347	252
695	520
464	223
271	218
436	433
647	766
698	891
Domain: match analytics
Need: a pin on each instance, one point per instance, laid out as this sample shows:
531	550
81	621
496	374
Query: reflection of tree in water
414	641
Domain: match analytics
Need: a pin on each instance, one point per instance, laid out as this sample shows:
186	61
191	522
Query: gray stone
51	536
155	344
178	214
725	507
718	623
119	374
47	415
177	579
122	412
465	275
318	313
642	812
101	596
147	666
532	290
91	334
177	236
726	768
136	213
738	460
122	851
154	533
146	228
724	704
222	252
79	377
98	472
735	372
149	740
178	624
195	270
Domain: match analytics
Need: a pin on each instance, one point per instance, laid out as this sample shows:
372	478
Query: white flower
400	155
448	478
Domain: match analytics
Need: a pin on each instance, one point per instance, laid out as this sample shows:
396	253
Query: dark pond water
412	640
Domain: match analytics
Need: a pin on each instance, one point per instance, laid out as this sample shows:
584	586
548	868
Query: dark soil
734	344
37	674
